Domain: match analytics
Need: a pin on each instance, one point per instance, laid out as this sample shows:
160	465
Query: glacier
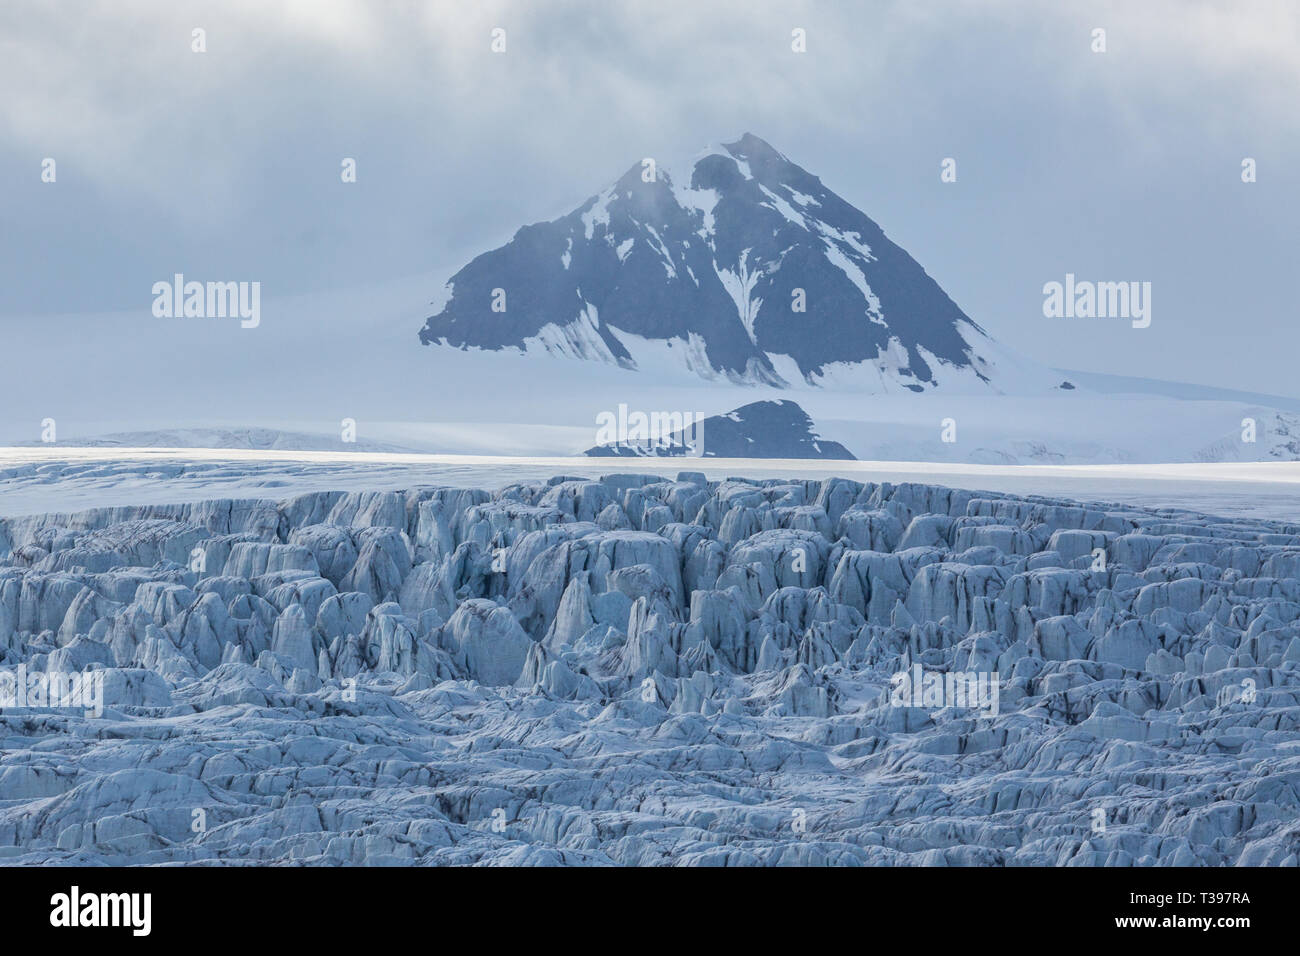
631	669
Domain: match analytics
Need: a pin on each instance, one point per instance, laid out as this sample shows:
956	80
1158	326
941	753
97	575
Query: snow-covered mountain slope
647	671
747	270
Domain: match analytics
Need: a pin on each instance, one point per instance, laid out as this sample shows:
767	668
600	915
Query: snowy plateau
633	669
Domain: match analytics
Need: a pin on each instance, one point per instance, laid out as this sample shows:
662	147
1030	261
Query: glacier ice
651	671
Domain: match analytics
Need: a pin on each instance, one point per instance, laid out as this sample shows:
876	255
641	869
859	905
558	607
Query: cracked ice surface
635	670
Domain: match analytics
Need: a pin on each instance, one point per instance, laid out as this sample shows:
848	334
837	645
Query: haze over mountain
748	270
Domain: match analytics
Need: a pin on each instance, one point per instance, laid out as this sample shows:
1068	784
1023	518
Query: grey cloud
1122	165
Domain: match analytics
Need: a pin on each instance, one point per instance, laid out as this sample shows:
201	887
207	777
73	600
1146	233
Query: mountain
749	270
779	429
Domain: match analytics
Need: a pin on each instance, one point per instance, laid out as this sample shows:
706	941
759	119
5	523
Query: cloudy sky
1123	165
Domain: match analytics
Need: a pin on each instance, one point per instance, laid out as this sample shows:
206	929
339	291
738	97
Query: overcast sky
1123	165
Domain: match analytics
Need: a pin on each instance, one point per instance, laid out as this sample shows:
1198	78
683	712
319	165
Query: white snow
715	149
783	207
319	359
801	198
668	359
702	201
740	286
786	367
850	239
663	252
598	213
576	340
850	268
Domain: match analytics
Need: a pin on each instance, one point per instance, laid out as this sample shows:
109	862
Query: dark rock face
720	266
778	429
